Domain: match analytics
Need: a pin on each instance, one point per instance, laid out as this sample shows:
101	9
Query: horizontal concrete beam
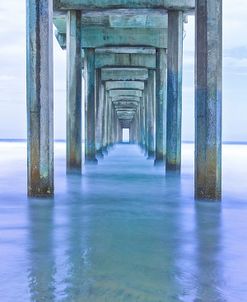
126	99
125	18
124	4
127	50
124	74
104	58
124	85
122	109
119	93
126	103
94	37
130	60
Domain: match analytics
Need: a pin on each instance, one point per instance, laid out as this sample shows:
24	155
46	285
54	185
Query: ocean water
123	231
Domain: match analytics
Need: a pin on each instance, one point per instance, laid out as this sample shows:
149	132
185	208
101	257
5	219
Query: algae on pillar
74	93
40	98
174	90
208	99
90	147
161	105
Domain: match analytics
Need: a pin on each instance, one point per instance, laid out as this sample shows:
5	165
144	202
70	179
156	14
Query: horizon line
64	141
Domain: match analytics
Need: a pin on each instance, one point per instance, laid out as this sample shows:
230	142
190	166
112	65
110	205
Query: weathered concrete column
111	123
135	128
90	147
74	93
119	132
99	113
150	116
208	99
174	90
139	136
40	161
145	99
142	121
161	105
105	135
132	132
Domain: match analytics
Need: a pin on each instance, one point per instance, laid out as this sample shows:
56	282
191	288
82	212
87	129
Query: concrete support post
115	127
90	147
119	130
99	113
208	99
131	132
142	124
40	161
104	148
145	98
161	105
174	90
74	93
109	123
139	136
150	114
135	129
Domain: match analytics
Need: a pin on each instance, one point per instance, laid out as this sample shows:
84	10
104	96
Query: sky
12	74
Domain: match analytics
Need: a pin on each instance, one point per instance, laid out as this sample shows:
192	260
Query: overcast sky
12	74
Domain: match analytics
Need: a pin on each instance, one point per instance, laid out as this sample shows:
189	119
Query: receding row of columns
154	118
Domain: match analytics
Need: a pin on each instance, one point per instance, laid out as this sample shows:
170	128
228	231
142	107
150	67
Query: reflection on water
42	266
121	232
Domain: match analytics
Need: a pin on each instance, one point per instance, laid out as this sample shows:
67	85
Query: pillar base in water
207	195
159	162
173	168
100	154
105	150
92	161
49	193
73	171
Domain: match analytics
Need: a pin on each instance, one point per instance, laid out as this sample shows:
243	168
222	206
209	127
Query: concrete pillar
119	131
208	99
74	93
90	147
145	98
105	121
174	90
40	161
109	122
139	136
150	116
142	121
99	113
161	104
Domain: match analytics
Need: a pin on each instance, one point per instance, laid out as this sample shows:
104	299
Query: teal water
122	232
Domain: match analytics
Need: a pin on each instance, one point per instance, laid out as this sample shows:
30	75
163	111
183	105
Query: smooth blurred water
122	232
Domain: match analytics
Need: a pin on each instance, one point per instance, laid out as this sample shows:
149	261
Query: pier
130	55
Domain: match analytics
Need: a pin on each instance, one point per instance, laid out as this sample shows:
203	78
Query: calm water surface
122	232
